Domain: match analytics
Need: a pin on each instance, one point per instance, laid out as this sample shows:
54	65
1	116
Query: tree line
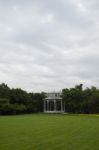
77	100
18	101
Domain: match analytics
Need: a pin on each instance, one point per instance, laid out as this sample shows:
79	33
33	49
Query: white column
55	105
44	106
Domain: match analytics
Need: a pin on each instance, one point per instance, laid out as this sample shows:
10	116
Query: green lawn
49	132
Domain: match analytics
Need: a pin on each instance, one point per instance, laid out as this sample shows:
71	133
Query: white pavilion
53	103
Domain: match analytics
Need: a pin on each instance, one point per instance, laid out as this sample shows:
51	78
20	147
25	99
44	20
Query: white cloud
48	45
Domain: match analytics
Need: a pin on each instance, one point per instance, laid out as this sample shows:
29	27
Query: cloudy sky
48	45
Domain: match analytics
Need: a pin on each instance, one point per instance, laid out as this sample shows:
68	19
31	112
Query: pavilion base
54	112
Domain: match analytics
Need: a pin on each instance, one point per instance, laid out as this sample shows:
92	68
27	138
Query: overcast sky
48	45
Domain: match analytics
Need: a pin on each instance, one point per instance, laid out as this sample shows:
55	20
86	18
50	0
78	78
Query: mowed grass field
49	132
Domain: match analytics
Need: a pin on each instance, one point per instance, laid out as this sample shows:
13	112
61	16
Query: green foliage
18	101
78	100
4	91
